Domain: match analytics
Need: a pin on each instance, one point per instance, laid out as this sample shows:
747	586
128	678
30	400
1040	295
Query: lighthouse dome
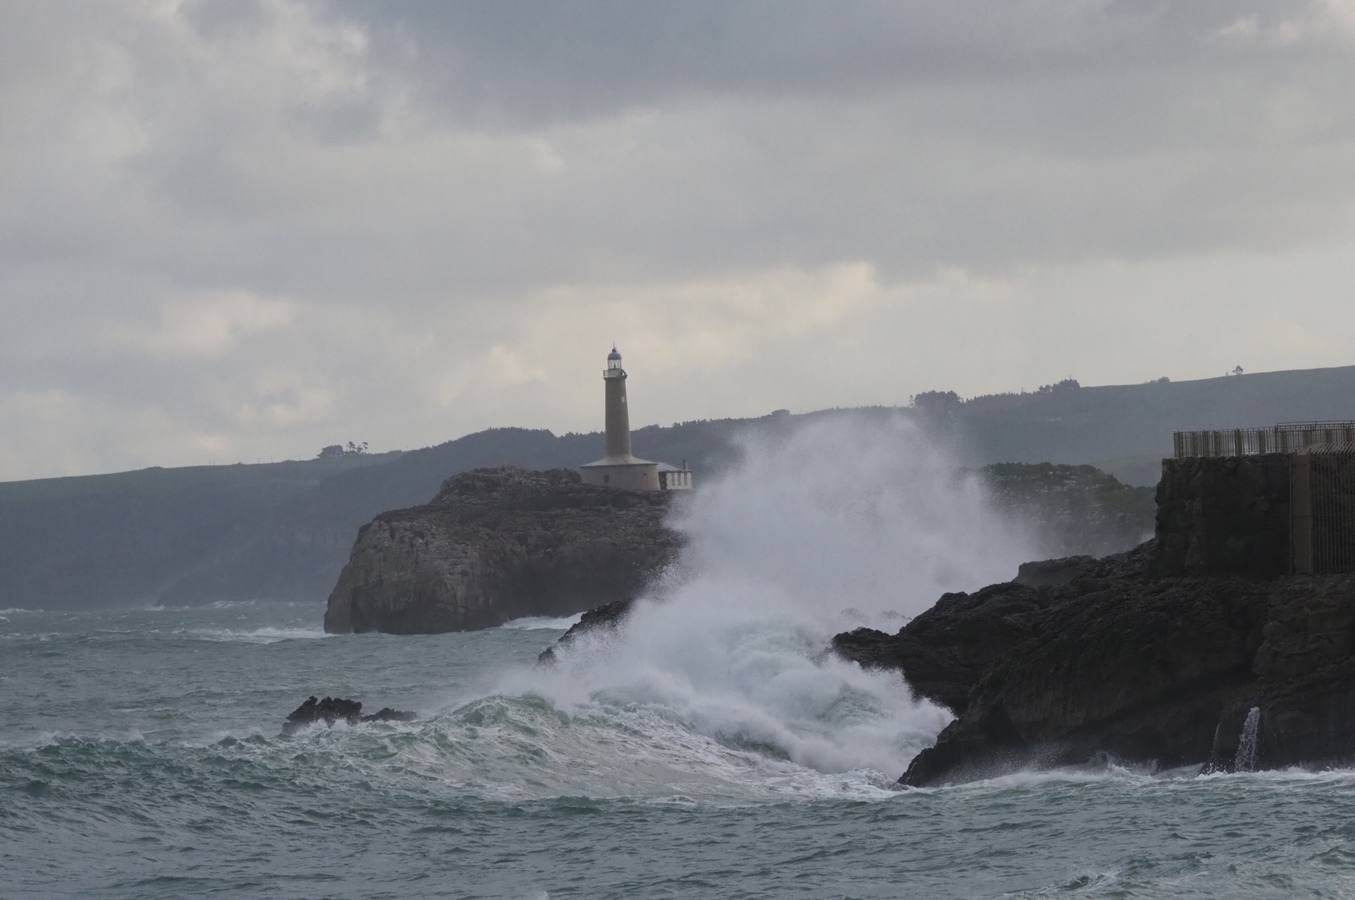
614	355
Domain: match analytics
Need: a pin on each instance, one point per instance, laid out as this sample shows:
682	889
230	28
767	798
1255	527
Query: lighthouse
619	467
618	417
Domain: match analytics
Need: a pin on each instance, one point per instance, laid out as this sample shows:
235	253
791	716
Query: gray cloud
244	230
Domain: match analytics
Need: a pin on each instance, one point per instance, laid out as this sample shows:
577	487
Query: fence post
1301	514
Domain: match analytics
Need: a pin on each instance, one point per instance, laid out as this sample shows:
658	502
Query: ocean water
140	757
711	749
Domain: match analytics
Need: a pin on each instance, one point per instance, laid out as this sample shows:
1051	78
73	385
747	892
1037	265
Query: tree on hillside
353	448
936	402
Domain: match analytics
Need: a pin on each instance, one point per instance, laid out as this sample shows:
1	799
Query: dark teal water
140	757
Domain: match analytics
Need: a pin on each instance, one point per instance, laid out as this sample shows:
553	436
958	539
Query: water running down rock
1245	759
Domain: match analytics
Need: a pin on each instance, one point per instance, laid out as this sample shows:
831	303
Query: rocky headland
497	544
1120	662
1155	657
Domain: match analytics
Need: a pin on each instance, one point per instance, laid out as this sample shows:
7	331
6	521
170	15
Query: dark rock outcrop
1126	663
497	544
1053	572
338	709
607	617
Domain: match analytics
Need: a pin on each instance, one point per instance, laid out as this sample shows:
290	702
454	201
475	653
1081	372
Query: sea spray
1215	763
1245	760
838	515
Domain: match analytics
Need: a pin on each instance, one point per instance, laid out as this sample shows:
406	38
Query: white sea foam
838	516
224	604
543	623
266	635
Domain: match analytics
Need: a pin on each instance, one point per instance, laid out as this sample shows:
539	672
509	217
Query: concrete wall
626	476
1269	514
1225	515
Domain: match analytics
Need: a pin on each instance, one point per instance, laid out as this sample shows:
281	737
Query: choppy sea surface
712	749
140	756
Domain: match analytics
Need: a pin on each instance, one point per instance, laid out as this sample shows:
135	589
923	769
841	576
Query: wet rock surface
1123	663
337	709
608	617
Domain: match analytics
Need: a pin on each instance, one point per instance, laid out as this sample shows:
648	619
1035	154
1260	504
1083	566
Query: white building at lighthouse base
629	473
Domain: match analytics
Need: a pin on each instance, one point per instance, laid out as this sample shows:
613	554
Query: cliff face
497	544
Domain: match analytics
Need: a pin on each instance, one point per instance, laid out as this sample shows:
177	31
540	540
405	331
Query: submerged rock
1120	661
337	709
499	544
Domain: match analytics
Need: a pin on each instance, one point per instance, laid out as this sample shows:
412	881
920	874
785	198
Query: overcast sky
239	231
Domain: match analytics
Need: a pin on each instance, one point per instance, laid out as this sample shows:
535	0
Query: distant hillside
1126	429
283	530
1073	510
276	530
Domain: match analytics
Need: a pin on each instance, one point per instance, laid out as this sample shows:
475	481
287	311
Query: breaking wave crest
265	635
542	623
837	525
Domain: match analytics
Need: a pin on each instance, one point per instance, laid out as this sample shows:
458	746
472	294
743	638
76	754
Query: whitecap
266	635
729	649
543	623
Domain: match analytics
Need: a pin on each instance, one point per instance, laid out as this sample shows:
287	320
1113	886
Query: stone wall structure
1265	514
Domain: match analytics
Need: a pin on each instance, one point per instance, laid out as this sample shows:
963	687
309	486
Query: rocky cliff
1108	658
1166	656
497	544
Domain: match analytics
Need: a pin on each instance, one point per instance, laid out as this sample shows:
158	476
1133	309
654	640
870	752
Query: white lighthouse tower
619	468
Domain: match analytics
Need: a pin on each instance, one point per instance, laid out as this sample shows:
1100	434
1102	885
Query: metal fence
1322	511
1289	437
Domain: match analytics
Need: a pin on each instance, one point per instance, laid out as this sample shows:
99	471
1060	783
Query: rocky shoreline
1195	649
1154	670
1080	661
